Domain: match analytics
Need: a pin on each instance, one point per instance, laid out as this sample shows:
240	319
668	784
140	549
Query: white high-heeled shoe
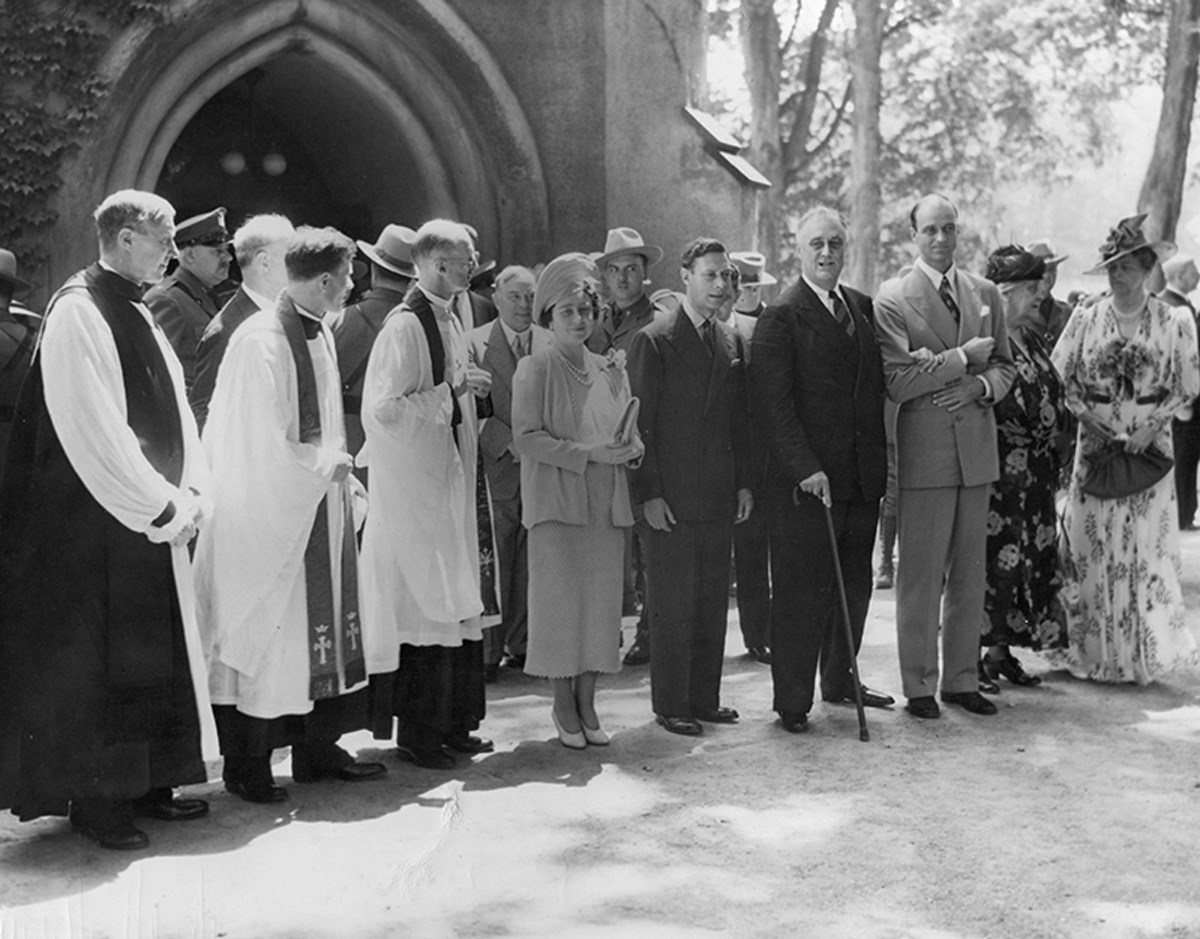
576	741
597	737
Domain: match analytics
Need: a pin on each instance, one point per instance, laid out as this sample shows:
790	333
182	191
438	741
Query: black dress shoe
514	661
870	699
1010	668
162	804
679	725
924	707
359	772
639	652
427	759
718	716
972	701
468	743
260	793
121	837
793	722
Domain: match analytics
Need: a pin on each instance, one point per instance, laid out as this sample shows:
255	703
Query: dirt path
1073	813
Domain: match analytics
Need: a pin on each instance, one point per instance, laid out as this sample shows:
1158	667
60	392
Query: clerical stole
323	622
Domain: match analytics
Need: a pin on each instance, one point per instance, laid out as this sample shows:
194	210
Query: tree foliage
975	94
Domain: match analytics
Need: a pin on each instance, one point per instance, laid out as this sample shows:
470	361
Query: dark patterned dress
1021	606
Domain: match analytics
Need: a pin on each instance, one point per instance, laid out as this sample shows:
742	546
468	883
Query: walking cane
841	582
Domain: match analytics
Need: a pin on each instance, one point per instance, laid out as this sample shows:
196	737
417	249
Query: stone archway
403	101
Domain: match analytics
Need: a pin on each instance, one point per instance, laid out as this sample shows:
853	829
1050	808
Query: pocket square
985	311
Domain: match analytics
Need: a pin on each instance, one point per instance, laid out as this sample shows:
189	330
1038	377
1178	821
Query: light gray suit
946	459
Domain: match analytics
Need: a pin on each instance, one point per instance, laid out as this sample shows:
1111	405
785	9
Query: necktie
617	316
947	295
520	345
706	333
841	314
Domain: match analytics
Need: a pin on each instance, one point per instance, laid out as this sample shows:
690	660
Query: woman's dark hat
1127	238
1012	264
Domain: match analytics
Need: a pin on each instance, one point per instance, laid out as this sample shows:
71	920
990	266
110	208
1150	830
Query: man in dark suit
183	304
945	354
496	347
1182	278
694	484
818	389
355	328
259	246
624	264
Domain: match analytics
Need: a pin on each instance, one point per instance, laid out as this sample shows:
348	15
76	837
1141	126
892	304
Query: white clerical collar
935	277
259	300
511	334
822	293
696	318
304	312
441	305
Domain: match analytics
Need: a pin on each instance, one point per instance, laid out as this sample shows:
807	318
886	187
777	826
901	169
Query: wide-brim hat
207	229
751	267
8	271
1044	249
1127	238
393	250
622	241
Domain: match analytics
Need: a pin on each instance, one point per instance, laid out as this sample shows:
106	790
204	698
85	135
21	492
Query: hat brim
19	286
369	250
652	253
1163	249
764	280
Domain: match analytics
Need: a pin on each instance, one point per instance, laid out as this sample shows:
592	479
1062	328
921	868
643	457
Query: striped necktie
946	292
841	313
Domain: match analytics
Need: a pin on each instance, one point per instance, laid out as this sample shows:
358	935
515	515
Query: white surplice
420	556
250	561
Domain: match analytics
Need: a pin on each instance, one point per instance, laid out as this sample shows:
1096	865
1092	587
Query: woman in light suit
568	405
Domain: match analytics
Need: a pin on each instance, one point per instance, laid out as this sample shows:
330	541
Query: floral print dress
1128	624
1021	606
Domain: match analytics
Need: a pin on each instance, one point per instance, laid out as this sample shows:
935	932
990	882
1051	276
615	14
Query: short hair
822	211
437	235
312	252
698	248
130	208
513	270
259	232
912	213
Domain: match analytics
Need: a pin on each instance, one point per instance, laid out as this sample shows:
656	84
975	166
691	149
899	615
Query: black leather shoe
427	759
169	809
792	722
760	654
870	699
972	701
719	716
639	652
468	743
514	661
120	837
924	707
679	725
261	793
359	772
1008	667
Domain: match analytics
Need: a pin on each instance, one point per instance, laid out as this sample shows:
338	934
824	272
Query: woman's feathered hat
1127	238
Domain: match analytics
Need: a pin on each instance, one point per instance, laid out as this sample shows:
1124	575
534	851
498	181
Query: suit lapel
687	342
816	316
970	307
724	352
928	305
500	355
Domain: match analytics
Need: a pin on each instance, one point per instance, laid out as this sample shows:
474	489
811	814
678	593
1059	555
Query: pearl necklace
580	376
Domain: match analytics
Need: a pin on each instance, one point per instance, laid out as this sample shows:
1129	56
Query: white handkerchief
985	311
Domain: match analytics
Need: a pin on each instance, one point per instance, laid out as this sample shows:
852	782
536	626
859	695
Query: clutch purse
1114	472
627	425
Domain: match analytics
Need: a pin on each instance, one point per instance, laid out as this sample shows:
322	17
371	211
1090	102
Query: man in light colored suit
946	359
496	347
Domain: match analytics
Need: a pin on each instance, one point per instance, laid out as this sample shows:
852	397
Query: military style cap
207	229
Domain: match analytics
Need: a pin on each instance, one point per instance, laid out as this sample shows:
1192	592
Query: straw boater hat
621	241
205	229
751	267
1044	248
1127	238
8	271
393	250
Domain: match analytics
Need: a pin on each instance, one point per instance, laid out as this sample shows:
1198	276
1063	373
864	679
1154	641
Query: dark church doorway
295	136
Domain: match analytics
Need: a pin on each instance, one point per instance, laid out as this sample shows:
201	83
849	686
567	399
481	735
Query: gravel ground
1075	812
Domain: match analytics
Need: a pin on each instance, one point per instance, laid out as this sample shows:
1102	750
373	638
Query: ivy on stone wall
50	96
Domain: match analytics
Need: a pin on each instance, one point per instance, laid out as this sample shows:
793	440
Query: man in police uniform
183	304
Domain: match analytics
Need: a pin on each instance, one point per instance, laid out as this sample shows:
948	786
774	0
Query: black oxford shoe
924	707
972	701
793	722
259	793
170	809
718	716
468	743
679	725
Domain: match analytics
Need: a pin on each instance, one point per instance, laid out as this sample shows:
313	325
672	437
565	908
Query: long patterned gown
1128	625
1021	606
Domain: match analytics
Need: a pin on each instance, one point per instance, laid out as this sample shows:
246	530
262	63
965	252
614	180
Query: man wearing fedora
1182	278
355	328
259	246
18	333
183	304
624	264
751	548
945	354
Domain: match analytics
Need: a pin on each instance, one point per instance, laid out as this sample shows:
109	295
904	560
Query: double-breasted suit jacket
695	426
819	397
945	461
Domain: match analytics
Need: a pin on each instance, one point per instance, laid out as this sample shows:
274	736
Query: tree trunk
1162	190
863	258
763	67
